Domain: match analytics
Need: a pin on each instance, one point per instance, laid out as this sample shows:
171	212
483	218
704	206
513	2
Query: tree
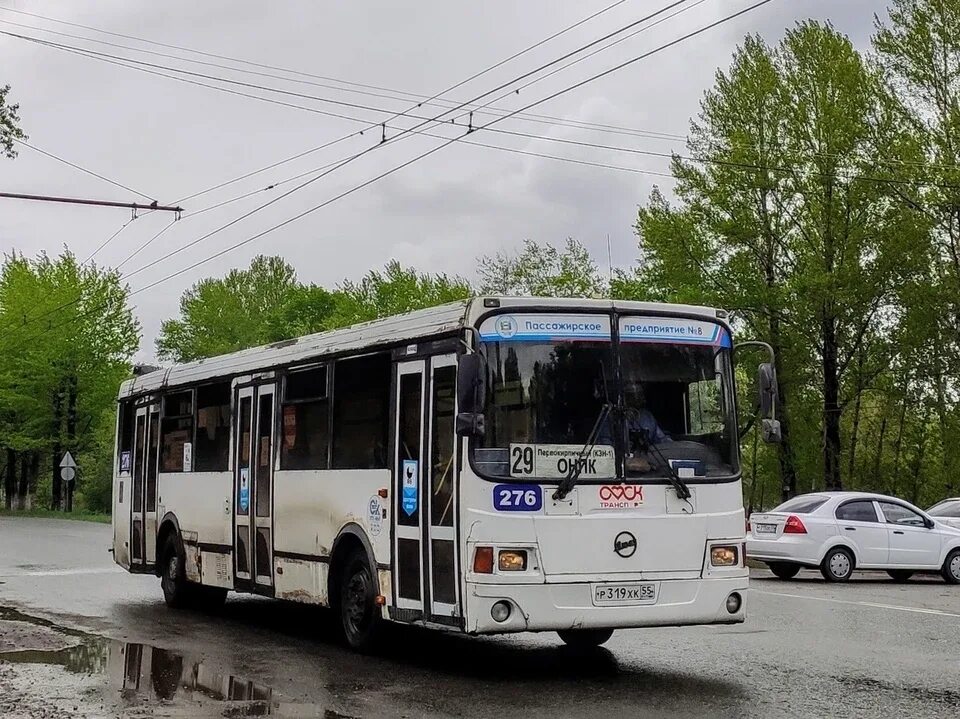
786	218
68	338
262	304
393	291
542	270
9	124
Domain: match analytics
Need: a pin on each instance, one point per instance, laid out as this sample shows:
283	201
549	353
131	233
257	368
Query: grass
82	515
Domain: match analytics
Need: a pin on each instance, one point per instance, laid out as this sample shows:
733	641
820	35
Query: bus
488	466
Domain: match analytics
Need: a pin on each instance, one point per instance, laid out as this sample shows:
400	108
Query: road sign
68	468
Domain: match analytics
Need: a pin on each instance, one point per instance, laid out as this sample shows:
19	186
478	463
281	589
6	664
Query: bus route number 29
517	498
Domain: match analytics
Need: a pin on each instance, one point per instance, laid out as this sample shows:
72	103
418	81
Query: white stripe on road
875	605
63	572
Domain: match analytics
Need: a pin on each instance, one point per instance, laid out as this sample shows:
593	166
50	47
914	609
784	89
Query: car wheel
837	566
951	567
585	638
177	592
359	614
900	575
783	570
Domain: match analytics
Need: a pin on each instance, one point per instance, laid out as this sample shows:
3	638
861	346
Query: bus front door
253	488
425	561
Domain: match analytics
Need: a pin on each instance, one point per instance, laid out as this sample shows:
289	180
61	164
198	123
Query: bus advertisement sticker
411	475
517	498
375	516
244	489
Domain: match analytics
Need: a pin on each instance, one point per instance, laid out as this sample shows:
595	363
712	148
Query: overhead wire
81	168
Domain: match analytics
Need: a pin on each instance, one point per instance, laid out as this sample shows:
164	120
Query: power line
423	155
108	240
82	169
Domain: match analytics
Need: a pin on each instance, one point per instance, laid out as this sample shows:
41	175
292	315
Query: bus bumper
549	607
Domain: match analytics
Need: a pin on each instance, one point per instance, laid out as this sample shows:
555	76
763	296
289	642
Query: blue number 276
517	498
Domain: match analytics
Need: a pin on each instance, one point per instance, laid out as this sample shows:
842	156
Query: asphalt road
80	637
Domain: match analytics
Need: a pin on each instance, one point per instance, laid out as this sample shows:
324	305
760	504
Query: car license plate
624	594
765	528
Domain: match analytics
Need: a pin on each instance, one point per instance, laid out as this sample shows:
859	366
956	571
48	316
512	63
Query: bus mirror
767	383
470	383
771	431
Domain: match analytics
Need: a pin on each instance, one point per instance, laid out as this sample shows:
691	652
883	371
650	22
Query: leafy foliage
9	124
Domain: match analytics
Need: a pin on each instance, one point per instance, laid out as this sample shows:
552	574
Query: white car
947	512
838	532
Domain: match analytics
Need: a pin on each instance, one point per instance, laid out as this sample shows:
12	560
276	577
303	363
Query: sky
169	139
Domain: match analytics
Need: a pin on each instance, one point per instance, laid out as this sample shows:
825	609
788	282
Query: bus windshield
667	382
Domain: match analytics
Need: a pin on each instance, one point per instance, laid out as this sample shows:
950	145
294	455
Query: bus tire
585	638
177	592
360	616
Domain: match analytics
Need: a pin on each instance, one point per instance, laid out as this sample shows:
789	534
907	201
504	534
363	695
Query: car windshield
950	508
549	380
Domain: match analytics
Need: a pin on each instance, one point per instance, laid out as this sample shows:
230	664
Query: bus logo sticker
244	489
411	474
620	496
375	516
517	498
625	545
506	327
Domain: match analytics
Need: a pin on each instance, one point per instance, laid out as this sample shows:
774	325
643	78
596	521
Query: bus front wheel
359	612
173	577
585	638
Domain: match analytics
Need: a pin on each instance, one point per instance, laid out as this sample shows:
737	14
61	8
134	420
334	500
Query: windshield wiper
573	474
679	486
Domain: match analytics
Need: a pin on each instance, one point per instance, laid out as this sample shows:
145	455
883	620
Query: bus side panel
310	509
201	502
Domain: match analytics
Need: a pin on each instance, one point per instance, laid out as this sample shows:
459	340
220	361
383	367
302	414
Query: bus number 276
517	498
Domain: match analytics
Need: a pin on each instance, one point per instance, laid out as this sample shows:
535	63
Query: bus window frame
164	396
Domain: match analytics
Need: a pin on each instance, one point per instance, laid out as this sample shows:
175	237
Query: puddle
142	674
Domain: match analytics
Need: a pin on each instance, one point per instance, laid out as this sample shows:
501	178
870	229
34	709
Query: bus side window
361	411
213	428
305	420
176	433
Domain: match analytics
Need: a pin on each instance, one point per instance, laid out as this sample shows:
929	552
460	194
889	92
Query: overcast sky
169	139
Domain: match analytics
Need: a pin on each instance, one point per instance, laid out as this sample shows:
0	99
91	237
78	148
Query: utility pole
100	203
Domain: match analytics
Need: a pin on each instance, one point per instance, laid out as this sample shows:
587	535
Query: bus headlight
723	556
512	560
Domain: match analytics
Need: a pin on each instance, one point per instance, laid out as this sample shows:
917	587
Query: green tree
68	339
262	304
394	290
542	270
9	124
785	217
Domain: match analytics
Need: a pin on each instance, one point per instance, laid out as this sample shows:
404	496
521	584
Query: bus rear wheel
359	613
585	638
177	592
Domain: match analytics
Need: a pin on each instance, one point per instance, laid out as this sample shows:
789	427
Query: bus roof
396	330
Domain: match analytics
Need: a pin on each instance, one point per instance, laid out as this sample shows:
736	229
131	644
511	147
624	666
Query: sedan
838	532
947	512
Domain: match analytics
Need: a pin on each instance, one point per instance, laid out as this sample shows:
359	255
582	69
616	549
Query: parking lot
105	644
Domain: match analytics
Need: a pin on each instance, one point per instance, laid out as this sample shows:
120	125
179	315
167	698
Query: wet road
103	644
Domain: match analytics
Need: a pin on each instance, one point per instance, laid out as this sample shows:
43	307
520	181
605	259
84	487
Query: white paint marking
63	572
875	605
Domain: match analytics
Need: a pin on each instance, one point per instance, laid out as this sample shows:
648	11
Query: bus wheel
173	579
585	638
359	612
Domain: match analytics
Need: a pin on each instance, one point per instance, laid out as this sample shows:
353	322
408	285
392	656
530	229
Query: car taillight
794	526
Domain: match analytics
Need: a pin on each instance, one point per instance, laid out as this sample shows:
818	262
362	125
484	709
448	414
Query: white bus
494	465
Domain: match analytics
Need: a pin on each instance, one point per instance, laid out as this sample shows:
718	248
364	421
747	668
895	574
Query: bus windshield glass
667	384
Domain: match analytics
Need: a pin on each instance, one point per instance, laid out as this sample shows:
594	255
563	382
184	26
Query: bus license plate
624	594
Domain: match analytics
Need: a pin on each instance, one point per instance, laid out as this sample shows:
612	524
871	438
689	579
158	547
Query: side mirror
770	429
767	384
471	393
